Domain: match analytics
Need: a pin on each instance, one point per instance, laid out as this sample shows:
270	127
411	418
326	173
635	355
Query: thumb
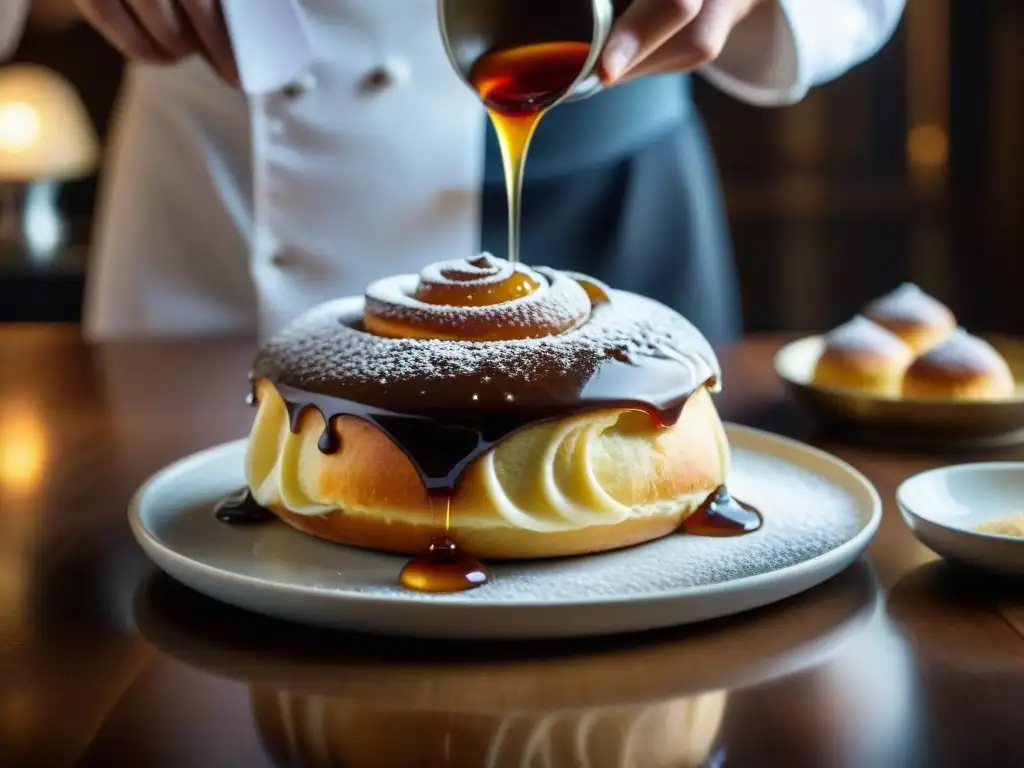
699	43
644	26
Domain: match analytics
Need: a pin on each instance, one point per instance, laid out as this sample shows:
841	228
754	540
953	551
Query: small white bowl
943	507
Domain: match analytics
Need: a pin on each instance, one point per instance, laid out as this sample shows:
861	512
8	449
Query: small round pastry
860	355
963	367
524	412
919	319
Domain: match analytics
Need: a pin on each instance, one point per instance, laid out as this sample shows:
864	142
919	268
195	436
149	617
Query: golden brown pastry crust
862	356
377	500
963	367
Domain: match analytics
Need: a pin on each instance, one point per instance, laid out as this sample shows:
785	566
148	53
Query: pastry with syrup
860	355
515	412
922	321
963	367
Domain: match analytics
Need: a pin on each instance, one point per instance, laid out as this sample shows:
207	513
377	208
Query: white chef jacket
230	213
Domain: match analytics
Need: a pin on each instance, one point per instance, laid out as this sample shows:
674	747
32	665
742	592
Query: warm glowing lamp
45	138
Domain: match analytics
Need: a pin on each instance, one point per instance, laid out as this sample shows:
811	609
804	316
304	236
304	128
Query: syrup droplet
722	515
241	508
443	568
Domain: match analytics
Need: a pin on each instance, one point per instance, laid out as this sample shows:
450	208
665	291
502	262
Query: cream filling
558	476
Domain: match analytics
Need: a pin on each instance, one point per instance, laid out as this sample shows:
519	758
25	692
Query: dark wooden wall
908	168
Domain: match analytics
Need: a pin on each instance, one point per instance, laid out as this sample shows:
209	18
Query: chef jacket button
392	72
284	259
300	86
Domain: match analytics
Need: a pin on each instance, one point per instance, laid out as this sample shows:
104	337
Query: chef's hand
662	36
165	31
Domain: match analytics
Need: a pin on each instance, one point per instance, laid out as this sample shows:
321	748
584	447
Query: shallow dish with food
819	513
903	371
893	419
972	513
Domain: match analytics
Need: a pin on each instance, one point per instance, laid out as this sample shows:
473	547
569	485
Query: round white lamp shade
45	132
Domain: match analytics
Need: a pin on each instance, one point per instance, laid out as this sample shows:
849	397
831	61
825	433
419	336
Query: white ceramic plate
819	513
943	506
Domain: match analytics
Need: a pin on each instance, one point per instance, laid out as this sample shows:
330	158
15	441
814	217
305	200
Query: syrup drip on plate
722	515
444	568
241	508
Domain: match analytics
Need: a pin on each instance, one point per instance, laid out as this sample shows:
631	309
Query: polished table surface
900	660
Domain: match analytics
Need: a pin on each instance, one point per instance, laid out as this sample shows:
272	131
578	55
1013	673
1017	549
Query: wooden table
902	660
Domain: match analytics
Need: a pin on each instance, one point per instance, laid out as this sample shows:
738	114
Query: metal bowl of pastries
904	372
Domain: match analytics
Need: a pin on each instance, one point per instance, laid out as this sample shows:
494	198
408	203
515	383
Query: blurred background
908	168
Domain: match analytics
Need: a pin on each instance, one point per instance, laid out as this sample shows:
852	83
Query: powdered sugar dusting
862	335
325	352
479	271
907	304
964	352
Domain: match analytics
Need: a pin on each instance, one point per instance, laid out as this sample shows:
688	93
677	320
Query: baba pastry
921	320
906	344
963	367
526	412
863	356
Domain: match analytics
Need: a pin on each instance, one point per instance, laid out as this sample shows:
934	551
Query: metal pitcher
471	28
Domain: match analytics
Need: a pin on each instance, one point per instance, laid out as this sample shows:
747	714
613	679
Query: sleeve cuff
786	47
12	22
760	64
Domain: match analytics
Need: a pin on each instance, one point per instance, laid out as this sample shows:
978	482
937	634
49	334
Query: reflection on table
667	698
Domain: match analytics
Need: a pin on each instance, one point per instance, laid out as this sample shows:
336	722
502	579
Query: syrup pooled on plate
240	508
444	568
722	515
518	85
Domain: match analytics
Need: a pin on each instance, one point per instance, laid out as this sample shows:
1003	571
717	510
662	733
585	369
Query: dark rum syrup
722	515
444	567
518	85
241	508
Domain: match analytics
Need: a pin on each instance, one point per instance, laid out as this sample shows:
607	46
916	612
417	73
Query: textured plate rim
909	510
848	550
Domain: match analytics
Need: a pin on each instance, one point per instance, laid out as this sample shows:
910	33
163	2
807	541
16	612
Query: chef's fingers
116	22
698	43
163	21
642	29
207	19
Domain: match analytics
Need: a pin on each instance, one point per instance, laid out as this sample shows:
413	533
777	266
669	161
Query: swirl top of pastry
537	338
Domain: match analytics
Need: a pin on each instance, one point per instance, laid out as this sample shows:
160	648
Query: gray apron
623	187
